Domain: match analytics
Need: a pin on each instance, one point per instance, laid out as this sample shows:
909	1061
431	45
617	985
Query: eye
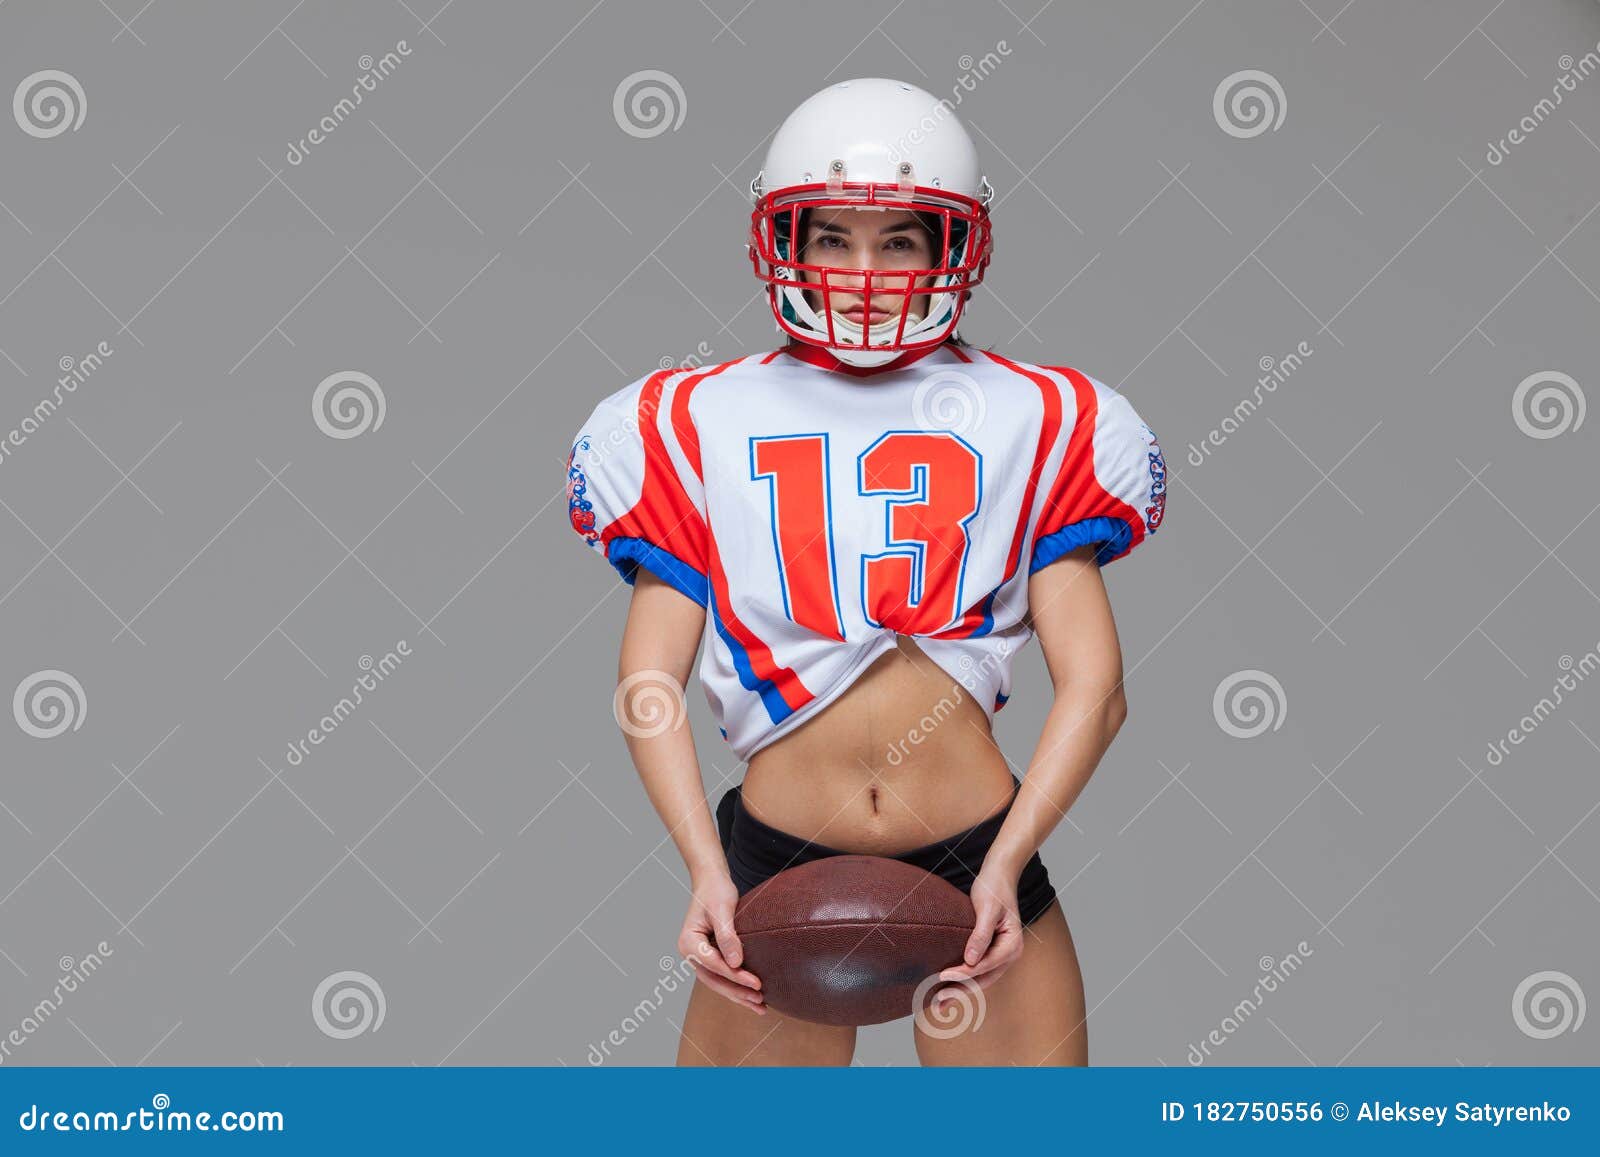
830	241
901	243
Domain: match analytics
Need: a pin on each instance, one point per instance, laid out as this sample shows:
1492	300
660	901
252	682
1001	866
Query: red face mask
880	309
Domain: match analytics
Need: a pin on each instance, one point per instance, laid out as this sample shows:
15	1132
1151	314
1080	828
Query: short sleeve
633	496
1111	486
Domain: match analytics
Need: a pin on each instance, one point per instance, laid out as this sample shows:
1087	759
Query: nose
849	284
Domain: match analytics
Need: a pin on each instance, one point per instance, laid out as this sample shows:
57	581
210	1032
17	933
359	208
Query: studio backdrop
311	756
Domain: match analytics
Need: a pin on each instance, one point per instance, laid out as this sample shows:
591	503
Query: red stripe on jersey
1049	427
683	425
664	516
1077	493
788	684
795	693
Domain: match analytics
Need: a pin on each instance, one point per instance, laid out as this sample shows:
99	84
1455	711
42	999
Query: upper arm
663	630
1070	612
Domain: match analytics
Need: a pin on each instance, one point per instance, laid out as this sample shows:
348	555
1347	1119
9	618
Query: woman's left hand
996	941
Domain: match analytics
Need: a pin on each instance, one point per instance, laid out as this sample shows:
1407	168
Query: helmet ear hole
789	234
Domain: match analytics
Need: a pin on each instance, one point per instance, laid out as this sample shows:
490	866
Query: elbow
1097	704
1116	710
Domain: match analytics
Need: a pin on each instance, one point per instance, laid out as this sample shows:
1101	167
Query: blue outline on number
772	519
917	493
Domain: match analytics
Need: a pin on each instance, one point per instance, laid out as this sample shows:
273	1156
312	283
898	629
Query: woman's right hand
710	943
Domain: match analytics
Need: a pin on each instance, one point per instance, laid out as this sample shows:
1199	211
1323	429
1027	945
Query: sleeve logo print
579	509
1156	510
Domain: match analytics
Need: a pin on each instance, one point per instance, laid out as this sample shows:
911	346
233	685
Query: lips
855	315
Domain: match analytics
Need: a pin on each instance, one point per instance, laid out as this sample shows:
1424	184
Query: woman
862	527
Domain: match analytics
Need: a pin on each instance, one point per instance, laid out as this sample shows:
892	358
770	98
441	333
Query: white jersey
816	510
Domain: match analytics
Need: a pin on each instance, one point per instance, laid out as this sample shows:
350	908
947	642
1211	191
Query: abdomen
903	758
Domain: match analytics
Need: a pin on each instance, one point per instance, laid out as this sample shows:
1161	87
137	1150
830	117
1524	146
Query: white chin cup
865	359
849	332
848	346
853	352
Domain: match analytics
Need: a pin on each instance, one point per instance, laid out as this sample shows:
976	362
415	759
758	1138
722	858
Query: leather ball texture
846	940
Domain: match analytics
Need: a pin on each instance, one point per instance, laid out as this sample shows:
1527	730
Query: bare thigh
716	1031
1033	1015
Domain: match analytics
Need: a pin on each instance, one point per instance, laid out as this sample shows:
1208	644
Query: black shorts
758	851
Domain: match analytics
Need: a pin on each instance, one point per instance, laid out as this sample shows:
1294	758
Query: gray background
486	242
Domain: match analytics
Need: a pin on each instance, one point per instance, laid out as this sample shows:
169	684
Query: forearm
655	721
1082	722
657	661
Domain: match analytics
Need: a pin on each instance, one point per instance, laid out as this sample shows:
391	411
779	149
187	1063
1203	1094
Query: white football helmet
884	145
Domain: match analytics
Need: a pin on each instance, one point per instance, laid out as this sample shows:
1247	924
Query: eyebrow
835	227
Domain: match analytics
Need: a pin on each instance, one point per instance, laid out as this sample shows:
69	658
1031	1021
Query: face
849	238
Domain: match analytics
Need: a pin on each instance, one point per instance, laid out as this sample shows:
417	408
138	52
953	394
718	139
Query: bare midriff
905	757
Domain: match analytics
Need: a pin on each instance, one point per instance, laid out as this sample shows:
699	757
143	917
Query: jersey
816	510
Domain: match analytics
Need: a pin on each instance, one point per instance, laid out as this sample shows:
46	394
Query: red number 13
932	485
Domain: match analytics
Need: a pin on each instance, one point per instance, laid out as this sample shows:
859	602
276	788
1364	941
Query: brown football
846	940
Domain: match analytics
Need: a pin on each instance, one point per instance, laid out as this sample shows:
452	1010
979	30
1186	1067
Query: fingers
982	933
1002	947
697	947
705	956
740	995
727	938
